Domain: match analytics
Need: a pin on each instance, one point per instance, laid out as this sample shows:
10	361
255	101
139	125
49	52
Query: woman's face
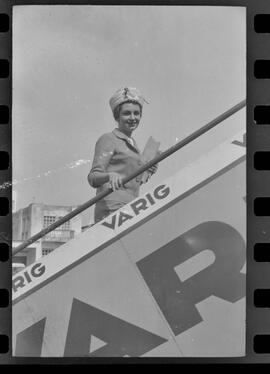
129	117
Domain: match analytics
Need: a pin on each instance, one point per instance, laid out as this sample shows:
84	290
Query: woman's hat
126	94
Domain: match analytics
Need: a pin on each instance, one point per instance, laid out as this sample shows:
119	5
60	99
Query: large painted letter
120	338
29	341
222	278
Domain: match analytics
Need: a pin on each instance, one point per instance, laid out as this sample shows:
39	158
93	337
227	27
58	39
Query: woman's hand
115	180
149	172
153	169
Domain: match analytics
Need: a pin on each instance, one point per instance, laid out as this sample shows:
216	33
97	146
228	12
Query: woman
117	154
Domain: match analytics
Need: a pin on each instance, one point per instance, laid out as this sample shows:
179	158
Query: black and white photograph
129	181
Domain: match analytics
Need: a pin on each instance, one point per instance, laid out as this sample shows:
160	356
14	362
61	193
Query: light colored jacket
115	153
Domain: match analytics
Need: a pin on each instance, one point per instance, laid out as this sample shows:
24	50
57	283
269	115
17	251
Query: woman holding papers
117	155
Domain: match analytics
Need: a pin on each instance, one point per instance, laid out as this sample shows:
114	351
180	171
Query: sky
188	61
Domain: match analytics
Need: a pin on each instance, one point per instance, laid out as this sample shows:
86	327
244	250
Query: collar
121	135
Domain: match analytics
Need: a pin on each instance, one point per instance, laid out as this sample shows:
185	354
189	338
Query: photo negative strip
135	203
129	181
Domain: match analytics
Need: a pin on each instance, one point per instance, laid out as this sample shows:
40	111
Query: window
65	226
48	220
45	252
24	224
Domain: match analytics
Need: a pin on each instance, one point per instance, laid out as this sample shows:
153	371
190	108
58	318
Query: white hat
126	94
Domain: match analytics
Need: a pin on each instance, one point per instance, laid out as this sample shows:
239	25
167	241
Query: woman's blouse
116	152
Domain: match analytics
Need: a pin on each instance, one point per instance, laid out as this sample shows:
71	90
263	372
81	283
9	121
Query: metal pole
125	180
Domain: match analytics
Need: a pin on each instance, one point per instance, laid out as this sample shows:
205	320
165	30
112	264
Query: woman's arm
98	179
112	177
104	150
98	174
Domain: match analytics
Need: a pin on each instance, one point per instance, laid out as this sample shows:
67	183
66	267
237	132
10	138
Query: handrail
125	180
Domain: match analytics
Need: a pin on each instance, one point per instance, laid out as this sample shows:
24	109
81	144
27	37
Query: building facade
29	221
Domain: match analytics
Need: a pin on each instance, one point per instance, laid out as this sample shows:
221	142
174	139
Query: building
27	256
14	201
29	221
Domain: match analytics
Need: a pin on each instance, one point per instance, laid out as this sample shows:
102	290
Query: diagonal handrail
125	180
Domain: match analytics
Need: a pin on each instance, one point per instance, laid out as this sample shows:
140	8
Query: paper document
151	150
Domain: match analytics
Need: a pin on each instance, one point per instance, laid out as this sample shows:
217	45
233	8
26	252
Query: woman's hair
116	111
